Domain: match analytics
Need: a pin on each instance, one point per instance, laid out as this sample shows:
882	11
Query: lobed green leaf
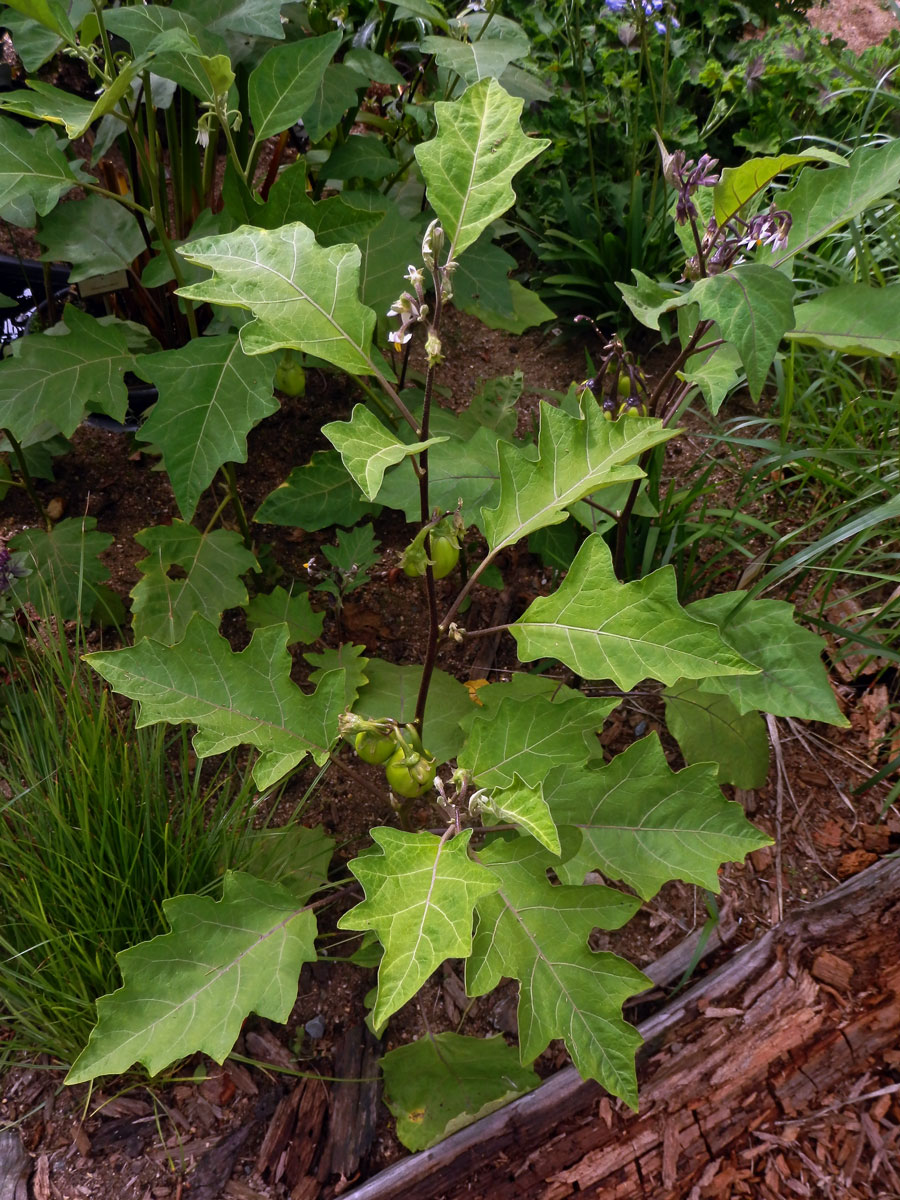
315	496
443	1082
646	824
284	84
821	201
303	296
576	456
233	698
753	307
468	167
739	184
852	319
210	564
190	989
791	680
529	735
421	891
708	728
538	933
292	609
211	395
67	577
367	449
626	632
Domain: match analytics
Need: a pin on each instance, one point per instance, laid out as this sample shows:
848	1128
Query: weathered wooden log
15	1166
767	1035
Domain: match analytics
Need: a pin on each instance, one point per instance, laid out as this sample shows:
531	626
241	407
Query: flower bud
433	349
432	244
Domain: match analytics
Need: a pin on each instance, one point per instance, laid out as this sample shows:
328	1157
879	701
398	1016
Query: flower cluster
722	246
410	308
770	228
651	9
686	178
619	377
9	570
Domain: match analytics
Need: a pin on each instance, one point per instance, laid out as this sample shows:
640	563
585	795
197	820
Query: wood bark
15	1166
770	1034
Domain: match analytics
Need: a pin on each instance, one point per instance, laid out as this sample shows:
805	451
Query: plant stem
607	512
464	591
161	210
490	629
49	296
667	386
232	149
219	510
659	392
237	503
578	55
176	163
424	516
624	518
109	61
125	201
272	173
377	400
700	259
395	398
27	481
492	11
158	213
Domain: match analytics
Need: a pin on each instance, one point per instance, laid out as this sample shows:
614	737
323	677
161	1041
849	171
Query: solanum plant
515	782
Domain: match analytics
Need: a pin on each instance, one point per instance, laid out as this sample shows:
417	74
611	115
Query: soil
220	1131
859	23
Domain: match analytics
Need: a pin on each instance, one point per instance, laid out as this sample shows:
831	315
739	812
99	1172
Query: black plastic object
23	280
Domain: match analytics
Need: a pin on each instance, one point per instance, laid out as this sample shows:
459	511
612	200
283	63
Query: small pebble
316	1027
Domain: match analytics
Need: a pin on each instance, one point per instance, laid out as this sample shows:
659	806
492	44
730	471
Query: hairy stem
424	516
237	504
464	591
27	481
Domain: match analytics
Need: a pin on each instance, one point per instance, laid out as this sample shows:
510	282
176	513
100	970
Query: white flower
398	338
402	307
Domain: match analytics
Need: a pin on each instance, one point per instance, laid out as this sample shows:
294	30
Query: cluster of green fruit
408	767
627	393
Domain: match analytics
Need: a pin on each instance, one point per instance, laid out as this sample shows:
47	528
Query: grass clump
100	821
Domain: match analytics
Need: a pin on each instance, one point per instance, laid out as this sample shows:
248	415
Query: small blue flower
650	8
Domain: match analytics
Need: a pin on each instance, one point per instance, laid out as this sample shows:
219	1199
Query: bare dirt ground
860	23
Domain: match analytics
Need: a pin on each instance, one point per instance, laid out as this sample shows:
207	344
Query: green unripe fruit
373	748
444	556
411	775
290	377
